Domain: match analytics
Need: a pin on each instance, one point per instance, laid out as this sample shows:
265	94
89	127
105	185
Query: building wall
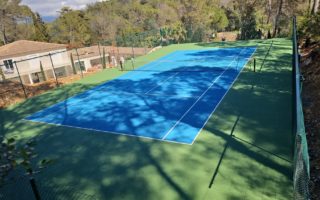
32	63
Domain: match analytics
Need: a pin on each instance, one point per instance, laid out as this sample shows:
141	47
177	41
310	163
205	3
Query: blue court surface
169	99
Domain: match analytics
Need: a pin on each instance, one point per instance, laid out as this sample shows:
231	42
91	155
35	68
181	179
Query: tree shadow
107	166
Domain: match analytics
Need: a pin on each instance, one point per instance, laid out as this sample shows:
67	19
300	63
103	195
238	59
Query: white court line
96	88
117	133
212	84
230	86
110	132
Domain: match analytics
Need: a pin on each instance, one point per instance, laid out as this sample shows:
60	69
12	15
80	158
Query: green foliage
14	155
126	21
309	27
175	33
248	24
40	29
73	65
72	27
233	19
42	72
218	19
15	21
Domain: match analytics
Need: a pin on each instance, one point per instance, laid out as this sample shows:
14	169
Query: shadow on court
244	151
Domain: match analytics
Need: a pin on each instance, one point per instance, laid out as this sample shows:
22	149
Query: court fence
26	76
301	168
30	75
22	189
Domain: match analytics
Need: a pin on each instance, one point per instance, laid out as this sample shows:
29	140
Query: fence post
132	51
23	88
34	188
54	71
118	53
99	54
80	62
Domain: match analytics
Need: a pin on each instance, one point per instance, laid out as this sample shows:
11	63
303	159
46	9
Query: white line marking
110	132
194	139
212	84
118	133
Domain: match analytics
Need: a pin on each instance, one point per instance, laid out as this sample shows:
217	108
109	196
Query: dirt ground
12	92
310	69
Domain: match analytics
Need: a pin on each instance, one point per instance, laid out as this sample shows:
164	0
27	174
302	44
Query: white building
28	55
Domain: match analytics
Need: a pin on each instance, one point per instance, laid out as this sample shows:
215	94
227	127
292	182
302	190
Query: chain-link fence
301	157
34	188
32	74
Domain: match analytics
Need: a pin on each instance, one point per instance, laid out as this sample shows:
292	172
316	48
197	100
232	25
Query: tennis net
185	65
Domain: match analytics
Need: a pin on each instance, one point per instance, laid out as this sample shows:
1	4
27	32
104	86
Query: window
8	64
81	65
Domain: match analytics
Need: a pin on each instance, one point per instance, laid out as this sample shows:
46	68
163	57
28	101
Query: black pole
54	71
34	188
118	53
23	88
80	62
132	51
295	80
254	64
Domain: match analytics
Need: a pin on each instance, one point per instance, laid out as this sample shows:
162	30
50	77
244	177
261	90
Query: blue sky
48	8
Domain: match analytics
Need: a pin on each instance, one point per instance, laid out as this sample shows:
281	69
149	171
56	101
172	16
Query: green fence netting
301	171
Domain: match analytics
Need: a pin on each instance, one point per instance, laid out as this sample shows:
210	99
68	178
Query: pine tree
42	72
104	59
40	29
72	64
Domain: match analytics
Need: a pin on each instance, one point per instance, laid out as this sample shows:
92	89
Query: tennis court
243	150
182	88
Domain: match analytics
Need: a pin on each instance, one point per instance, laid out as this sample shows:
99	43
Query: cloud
50	8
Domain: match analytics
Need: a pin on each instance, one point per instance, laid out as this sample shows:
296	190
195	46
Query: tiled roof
26	47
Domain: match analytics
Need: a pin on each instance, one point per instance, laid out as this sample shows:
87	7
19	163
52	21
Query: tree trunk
310	6
3	28
269	10
315	7
276	24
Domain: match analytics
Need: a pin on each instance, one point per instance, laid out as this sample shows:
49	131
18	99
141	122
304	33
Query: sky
48	8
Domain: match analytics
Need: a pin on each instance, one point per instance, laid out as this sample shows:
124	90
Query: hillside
311	97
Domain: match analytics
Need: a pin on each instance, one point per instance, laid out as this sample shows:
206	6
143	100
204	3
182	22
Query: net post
23	88
54	71
254	64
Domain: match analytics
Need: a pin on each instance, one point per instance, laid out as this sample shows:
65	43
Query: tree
276	29
72	27
247	13
40	29
12	16
14	155
42	72
315	7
